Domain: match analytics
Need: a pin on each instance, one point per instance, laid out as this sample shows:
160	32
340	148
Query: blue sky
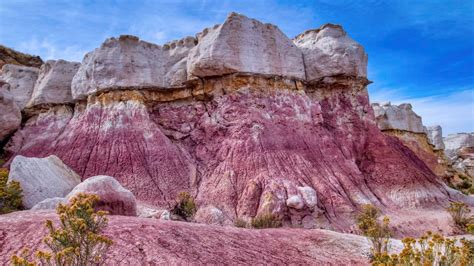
419	51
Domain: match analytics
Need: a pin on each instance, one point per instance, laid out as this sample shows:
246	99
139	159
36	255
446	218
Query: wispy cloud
50	50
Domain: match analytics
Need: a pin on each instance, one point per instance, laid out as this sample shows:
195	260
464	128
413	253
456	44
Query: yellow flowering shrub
78	241
11	198
185	206
377	231
460	213
430	249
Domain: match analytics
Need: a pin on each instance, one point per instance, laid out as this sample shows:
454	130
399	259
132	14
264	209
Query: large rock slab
10	114
329	51
399	117
435	135
22	80
242	44
456	142
53	85
127	62
42	178
114	198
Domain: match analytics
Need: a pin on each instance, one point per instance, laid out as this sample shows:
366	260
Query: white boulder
127	62
114	198
53	85
309	195
10	114
49	204
242	44
295	202
42	178
329	51
454	143
211	215
22	80
399	117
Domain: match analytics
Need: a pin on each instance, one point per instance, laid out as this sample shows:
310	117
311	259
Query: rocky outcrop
151	241
244	45
398	117
10	56
435	136
53	85
243	139
329	51
114	198
22	80
129	63
460	151
42	178
49	204
10	114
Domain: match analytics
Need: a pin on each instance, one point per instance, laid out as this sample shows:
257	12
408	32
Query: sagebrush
266	220
11	197
377	231
185	206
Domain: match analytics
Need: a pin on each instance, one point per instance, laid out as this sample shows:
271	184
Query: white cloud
49	50
453	111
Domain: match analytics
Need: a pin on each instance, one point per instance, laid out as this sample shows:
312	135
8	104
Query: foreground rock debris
248	122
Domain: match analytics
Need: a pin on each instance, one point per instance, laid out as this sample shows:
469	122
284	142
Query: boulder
329	51
127	62
456	142
295	202
242	44
399	117
42	178
435	136
309	196
211	215
114	198
22	80
10	114
49	204
53	85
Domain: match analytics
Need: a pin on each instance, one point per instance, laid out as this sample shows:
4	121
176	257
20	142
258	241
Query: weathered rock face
42	178
435	136
402	122
127	62
22	80
113	197
244	143
53	85
460	150
329	51
49	204
244	45
10	56
10	114
150	241
399	117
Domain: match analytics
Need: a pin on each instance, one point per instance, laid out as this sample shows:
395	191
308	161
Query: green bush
266	220
377	232
429	250
185	206
460	213
11	198
240	223
78	241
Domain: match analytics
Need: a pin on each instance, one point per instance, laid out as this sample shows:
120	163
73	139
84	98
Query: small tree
78	241
11	198
185	206
460	213
377	232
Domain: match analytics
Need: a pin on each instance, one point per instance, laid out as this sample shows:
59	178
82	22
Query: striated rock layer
243	136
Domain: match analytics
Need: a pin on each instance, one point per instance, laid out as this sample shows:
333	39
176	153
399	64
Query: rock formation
10	114
10	56
42	178
402	122
253	124
460	150
22	80
114	198
53	85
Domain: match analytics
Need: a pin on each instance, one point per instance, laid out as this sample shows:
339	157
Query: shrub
460	213
377	232
11	198
185	206
240	223
78	241
266	220
429	250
